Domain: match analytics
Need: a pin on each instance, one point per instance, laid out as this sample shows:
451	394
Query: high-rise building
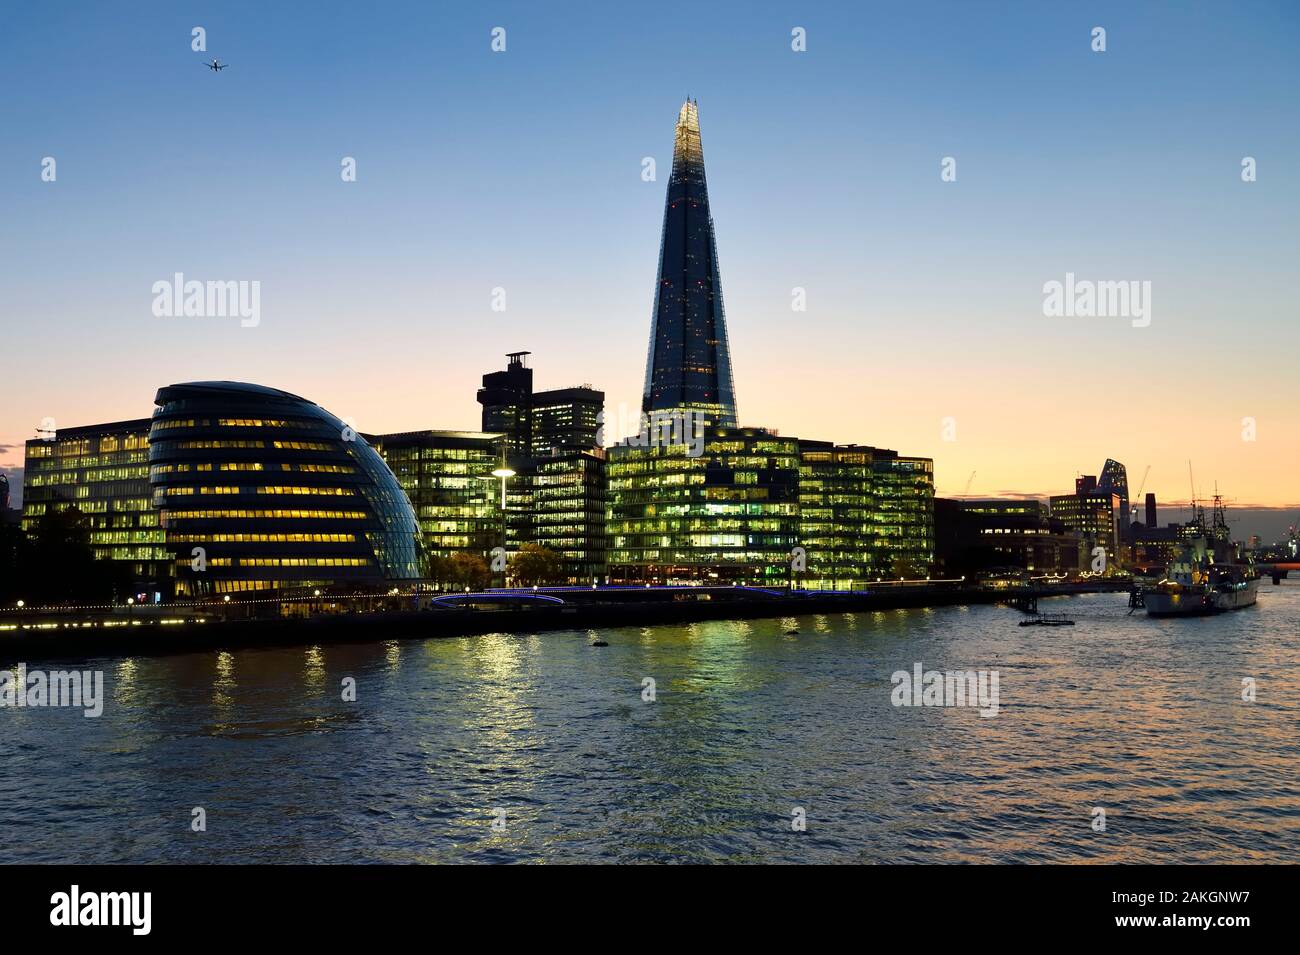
1151	509
1114	480
261	490
556	497
566	419
689	363
507	400
102	471
729	513
538	423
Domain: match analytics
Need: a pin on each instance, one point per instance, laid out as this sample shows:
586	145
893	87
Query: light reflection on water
1140	717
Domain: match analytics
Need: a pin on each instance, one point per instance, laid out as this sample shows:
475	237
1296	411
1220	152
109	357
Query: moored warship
1208	576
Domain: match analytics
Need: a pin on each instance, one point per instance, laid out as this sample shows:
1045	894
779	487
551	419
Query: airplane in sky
216	65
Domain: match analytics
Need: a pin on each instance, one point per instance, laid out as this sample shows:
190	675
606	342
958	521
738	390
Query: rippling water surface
1143	718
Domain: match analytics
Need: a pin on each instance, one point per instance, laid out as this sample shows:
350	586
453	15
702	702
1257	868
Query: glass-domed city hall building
261	490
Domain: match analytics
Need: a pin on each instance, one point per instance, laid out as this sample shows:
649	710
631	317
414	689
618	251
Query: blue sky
522	169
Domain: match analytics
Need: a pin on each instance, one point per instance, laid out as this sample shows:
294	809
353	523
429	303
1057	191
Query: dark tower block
689	363
507	400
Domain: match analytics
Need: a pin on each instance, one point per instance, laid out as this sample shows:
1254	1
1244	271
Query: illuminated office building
689	362
903	519
567	500
728	514
566	419
102	471
836	501
1093	513
447	475
864	513
261	490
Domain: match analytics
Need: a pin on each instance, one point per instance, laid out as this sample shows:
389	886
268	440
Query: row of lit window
220	444
98	476
159	425
109	444
276	489
199	515
127	537
281	561
261	538
182	467
47	465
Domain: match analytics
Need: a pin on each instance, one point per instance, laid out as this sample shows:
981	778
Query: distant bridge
1277	569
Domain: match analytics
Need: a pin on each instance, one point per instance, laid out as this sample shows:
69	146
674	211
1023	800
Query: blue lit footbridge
505	598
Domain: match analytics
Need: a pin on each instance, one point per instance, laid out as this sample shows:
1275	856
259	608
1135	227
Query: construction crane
1133	509
968	484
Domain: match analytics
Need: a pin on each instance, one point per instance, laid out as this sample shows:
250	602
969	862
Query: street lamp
505	474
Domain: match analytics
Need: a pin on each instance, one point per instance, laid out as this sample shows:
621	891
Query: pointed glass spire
688	367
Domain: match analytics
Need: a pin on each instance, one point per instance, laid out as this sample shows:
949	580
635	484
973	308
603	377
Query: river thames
542	748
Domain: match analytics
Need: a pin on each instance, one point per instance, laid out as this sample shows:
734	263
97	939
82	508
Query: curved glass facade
261	490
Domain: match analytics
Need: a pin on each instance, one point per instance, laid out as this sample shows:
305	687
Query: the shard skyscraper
689	363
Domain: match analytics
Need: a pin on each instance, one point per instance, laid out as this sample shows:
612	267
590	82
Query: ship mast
1198	515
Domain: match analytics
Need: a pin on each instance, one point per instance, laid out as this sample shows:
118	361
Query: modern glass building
903	520
836	503
566	420
447	475
729	514
864	513
689	364
103	471
568	496
261	490
1114	479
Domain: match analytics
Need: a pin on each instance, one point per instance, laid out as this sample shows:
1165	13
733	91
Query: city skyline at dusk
597	434
924	324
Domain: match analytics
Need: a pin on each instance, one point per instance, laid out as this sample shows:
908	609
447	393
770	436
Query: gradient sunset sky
522	170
